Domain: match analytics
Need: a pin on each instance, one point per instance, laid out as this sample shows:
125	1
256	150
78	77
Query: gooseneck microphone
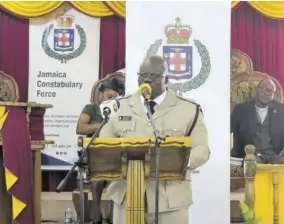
145	90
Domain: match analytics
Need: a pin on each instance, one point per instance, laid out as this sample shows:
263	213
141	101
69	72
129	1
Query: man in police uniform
173	116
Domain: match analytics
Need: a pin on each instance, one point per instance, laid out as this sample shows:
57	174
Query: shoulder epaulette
191	101
188	100
124	97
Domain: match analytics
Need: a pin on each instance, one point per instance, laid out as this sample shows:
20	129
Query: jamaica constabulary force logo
179	57
63	31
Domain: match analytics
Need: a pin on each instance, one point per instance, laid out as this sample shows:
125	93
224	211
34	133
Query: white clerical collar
261	109
158	100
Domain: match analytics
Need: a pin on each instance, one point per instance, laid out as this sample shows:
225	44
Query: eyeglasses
151	75
267	90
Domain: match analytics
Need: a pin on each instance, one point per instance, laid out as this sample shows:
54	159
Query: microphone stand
158	141
80	163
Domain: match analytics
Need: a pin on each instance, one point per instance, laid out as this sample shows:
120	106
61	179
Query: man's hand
281	153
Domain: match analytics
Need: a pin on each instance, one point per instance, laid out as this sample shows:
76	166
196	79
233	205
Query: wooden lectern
134	159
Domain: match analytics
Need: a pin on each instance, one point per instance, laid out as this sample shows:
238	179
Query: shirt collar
158	100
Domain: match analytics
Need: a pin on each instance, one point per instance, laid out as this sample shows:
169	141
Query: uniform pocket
125	128
179	194
175	129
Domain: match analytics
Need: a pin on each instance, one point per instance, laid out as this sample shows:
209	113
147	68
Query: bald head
266	90
153	71
267	83
153	64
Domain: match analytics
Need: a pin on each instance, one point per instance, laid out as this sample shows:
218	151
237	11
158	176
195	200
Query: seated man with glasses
260	123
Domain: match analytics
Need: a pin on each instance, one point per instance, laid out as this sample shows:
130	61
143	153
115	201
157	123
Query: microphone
145	90
109	108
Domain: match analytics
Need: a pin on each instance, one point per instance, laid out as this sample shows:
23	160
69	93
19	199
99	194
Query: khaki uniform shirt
173	118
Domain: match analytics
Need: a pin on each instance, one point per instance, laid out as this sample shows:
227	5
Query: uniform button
149	124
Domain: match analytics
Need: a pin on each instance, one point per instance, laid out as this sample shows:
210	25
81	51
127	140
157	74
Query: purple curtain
14	61
14	50
17	156
261	38
112	45
37	124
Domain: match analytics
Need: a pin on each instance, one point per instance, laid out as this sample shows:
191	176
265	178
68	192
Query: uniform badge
124	118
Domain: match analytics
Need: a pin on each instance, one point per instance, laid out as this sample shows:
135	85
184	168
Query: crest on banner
178	54
64	31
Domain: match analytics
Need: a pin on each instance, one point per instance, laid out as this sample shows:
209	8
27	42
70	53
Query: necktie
152	104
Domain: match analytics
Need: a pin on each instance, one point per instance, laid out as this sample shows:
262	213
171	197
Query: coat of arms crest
179	57
63	39
64	33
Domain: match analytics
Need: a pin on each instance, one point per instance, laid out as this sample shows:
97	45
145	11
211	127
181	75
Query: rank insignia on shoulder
124	118
191	101
186	99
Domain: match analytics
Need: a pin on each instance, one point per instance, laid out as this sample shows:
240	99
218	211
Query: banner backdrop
194	39
64	65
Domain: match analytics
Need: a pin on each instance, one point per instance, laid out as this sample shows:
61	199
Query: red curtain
262	38
112	49
14	50
14	60
237	5
18	159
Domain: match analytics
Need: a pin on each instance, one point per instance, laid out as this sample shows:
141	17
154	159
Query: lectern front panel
107	156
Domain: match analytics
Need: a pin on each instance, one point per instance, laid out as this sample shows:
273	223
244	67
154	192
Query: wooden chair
264	188
95	97
105	201
243	87
240	62
9	90
244	81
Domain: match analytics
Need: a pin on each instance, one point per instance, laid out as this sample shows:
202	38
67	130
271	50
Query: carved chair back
95	96
9	90
243	87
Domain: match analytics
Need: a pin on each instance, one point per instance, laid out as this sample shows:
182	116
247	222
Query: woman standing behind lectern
89	121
